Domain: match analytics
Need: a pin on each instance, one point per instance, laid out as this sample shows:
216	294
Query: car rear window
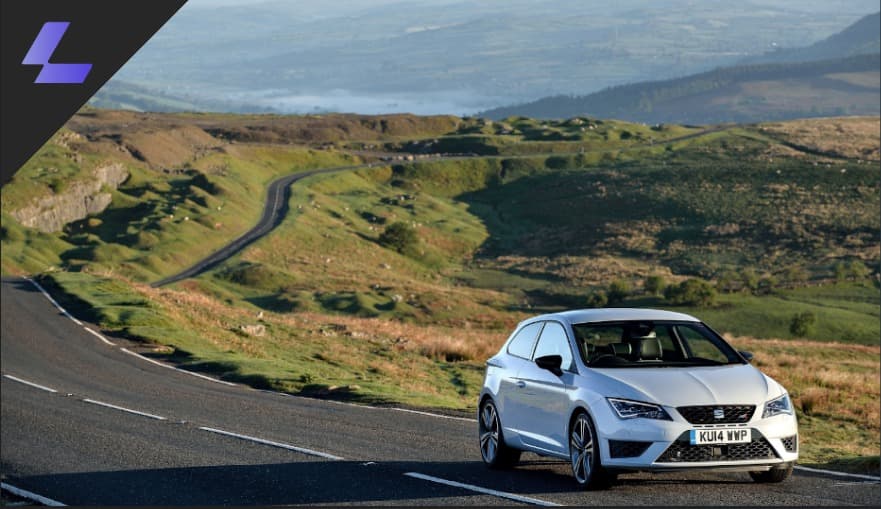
524	341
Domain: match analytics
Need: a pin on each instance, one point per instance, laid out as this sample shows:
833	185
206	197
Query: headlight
627	409
777	406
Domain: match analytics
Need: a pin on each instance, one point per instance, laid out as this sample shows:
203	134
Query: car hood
730	384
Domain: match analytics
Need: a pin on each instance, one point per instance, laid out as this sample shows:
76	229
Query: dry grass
835	388
833	379
851	137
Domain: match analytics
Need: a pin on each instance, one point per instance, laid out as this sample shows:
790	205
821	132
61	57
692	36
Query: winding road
278	193
92	420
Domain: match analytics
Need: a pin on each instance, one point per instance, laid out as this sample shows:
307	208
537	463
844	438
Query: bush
400	237
858	270
767	285
618	291
728	282
749	279
802	324
597	299
654	285
691	292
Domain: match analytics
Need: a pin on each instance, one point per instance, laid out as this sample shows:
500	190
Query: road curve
86	422
274	209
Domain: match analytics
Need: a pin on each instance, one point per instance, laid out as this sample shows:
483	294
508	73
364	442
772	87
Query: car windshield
652	344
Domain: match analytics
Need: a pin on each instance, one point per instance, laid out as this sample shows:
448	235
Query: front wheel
584	455
493	450
775	475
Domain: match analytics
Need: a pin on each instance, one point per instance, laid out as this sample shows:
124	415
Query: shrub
796	274
841	271
767	284
618	291
802	324
400	237
749	279
691	292
858	270
597	299
728	282
654	285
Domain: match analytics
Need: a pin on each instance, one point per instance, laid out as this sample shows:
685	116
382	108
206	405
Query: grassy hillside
744	93
780	220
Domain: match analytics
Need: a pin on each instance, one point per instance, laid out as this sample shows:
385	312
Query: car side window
521	345
553	341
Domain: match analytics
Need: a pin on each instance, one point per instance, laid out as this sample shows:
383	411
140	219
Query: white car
618	390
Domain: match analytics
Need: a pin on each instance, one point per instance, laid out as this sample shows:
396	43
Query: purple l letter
41	51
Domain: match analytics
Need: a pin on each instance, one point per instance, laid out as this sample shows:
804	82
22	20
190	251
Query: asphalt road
274	210
171	438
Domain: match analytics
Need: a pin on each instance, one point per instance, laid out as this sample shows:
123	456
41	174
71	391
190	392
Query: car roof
576	316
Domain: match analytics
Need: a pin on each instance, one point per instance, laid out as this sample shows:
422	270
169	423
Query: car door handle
521	384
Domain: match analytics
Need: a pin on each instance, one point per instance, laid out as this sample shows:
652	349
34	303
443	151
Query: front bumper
651	444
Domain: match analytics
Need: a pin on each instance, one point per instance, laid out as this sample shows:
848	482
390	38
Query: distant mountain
749	93
121	95
863	37
838	75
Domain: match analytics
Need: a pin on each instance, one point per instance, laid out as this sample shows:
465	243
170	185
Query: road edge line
53	301
199	375
281	445
99	336
31	384
430	414
124	409
840	474
40	499
485	491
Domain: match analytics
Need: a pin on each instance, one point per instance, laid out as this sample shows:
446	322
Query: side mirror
551	363
746	355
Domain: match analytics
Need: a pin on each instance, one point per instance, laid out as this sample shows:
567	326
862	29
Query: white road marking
99	336
40	499
840	474
439	416
485	491
289	447
32	384
124	409
54	303
199	375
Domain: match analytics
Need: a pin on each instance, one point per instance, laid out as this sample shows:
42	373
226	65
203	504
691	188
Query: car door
543	398
519	355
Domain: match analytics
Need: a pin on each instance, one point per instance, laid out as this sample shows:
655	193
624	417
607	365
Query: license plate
719	436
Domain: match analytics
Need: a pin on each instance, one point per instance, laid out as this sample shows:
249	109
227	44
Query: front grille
681	451
709	414
791	443
627	448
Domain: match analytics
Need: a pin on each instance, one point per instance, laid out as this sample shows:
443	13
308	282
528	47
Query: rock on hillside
79	200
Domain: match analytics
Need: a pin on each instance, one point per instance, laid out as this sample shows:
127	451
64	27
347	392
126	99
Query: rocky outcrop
79	200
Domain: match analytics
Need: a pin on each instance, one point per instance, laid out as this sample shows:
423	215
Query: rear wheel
493	450
584	455
775	475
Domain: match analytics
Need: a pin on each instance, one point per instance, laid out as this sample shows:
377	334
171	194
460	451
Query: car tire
584	455
775	475
495	453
